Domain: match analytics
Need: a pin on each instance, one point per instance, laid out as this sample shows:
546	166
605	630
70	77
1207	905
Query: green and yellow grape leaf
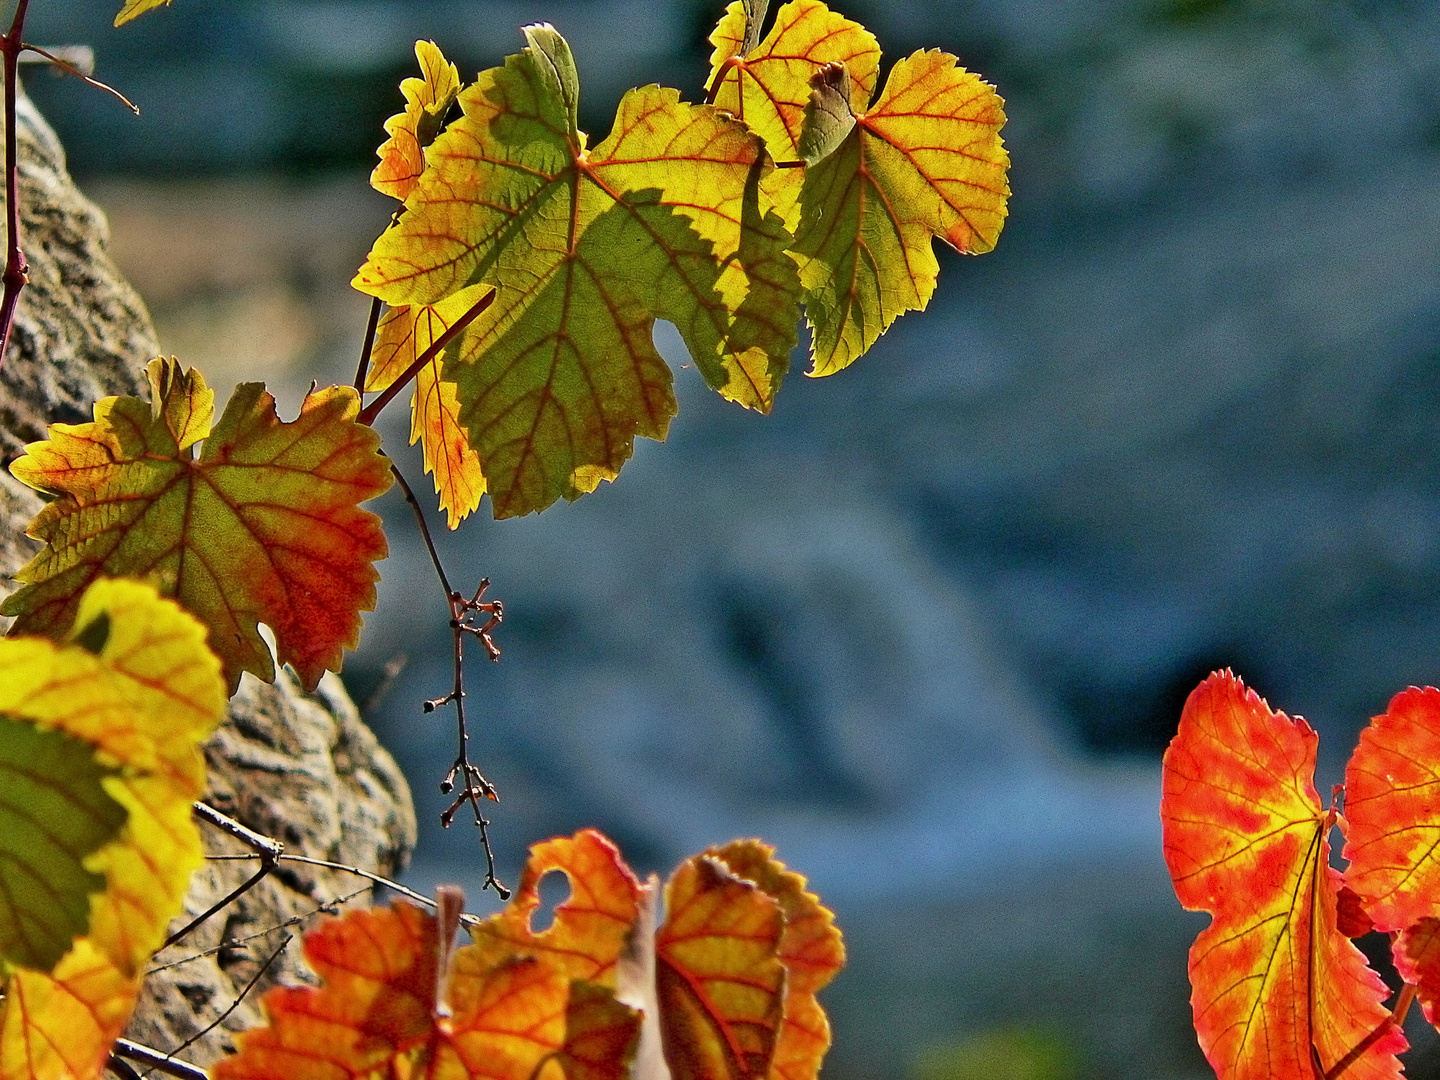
719	981
1279	993
508	1018
136	692
1392	807
768	85
134	8
926	160
811	950
263	525
427	100
402	336
587	247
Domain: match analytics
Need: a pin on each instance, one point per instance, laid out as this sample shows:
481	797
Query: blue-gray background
929	626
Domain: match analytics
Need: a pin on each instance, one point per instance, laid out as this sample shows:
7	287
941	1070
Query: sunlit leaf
810	948
376	1013
926	160
427	100
1392	806
133	8
587	248
719	981
135	693
1417	958
262	526
590	927
403	335
1277	989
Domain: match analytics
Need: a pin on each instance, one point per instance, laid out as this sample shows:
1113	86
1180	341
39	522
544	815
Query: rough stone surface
302	768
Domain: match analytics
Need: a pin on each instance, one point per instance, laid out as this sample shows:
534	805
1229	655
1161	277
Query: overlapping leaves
96	839
261	526
1279	992
715	983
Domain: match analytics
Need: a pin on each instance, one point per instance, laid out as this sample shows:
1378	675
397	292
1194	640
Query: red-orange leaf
718	979
262	526
810	948
1277	988
590	927
376	1013
1392	806
1417	958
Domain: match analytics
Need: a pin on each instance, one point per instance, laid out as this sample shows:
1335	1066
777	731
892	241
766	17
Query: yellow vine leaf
261	526
134	8
403	335
135	690
427	100
586	248
925	160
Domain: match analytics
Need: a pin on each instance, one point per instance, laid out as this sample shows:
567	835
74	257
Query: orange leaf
427	100
376	1013
810	948
262	526
1417	958
718	979
1277	988
401	338
590	927
1392	807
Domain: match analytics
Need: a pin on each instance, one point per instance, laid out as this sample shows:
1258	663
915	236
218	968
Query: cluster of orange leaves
723	989
1279	989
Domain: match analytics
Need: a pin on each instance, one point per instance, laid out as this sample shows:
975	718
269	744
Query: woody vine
516	290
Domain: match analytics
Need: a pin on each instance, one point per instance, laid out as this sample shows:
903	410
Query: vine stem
371	411
17	270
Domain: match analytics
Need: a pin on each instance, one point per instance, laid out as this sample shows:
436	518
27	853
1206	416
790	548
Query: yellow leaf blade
427	100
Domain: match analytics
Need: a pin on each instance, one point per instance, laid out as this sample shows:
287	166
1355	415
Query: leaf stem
17	274
71	69
371	411
1396	1019
368	346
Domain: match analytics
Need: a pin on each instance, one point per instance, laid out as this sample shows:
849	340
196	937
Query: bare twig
182	1070
269	962
267	849
17	270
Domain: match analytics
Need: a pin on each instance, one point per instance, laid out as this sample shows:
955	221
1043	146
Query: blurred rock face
928	626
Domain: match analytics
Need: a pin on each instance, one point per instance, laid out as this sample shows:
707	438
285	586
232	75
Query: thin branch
269	962
368	346
122	1068
17	270
424	529
72	69
371	411
267	849
182	1070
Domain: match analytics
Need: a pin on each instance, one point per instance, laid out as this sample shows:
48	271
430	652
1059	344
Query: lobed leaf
427	101
1392	805
129	699
1278	991
263	525
926	160
1416	952
403	335
586	249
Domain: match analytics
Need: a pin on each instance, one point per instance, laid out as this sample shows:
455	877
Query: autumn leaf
587	247
125	705
925	160
810	948
262	526
427	100
1392	805
1277	989
402	336
376	1013
1416	952
134	8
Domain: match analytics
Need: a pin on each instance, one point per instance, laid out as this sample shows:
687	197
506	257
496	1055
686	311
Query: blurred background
929	627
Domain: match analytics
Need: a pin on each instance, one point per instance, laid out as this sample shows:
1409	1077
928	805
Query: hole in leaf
554	890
